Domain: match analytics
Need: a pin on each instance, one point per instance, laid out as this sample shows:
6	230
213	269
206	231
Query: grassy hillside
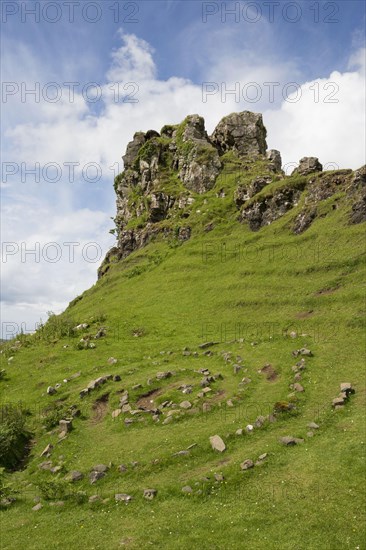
259	296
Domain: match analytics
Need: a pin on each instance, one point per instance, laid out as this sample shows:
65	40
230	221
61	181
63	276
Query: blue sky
165	55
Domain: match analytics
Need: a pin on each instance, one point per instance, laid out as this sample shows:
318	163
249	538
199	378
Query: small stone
47	451
116	378
122	497
346	388
310	434
122	468
338	402
229	403
249	428
75	475
185	405
290	441
217	443
239	431
149	494
37	507
163	375
94	498
65	425
259	422
100	468
206	407
313	426
247	464
94	476
137	387
51	390
116	413
208	345
219	477
263	456
112	361
45	465
181	453
298	387
187	489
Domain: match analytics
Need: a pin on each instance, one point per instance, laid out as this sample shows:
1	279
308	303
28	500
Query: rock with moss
196	159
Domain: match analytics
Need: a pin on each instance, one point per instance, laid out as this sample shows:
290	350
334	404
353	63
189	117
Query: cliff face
165	174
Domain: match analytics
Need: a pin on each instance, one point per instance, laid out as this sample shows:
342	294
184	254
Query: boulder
308	165
243	133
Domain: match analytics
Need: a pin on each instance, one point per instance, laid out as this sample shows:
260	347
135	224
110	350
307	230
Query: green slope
248	292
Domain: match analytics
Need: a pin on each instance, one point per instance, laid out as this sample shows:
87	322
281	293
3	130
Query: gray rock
95	476
187	489
308	165
242	132
217	443
75	475
274	157
163	375
100	468
197	159
51	390
37	507
298	387
65	425
247	464
47	451
313	426
94	498
185	405
290	441
150	494
122	497
219	477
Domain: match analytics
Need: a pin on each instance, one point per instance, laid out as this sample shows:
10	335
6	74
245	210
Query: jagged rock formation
165	174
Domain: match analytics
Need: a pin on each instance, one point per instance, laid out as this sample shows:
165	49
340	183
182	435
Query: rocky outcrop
266	210
164	174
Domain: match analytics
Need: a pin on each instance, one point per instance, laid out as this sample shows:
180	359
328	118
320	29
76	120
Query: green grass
235	287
